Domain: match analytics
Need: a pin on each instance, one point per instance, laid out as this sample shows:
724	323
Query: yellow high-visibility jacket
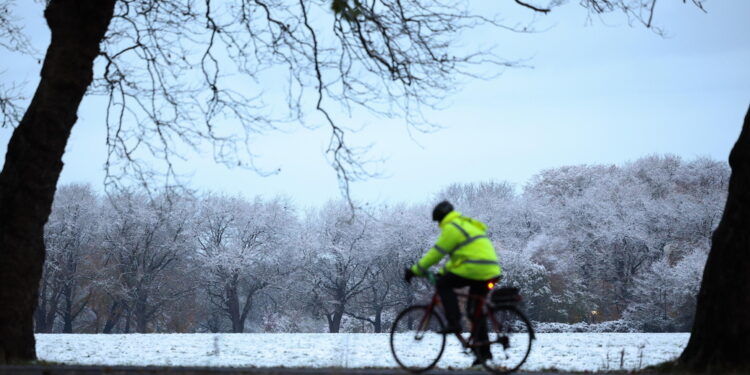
471	253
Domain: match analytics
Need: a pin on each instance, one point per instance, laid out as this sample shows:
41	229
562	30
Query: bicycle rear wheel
416	341
511	335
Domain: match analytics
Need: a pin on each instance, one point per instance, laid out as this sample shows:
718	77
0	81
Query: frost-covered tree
70	237
379	294
520	271
145	240
243	249
666	293
339	261
601	227
398	234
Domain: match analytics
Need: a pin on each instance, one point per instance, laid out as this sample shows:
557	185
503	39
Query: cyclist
473	263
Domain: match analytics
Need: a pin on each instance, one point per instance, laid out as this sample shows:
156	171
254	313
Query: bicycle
418	332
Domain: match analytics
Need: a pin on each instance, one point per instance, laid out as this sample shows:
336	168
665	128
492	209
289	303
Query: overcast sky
599	91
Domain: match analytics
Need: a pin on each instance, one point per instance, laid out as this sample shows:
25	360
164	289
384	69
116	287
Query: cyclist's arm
447	241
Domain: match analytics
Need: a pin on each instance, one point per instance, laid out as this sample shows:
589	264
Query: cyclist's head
443	208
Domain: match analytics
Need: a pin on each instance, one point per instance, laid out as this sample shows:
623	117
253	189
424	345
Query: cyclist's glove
408	275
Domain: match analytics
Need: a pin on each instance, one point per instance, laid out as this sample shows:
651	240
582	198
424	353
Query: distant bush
610	326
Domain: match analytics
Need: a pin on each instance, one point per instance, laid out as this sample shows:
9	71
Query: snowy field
562	351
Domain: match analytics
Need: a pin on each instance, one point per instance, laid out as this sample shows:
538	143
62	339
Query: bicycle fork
423	326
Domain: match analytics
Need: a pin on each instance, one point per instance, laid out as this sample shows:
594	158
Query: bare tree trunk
67	322
46	310
140	313
377	325
720	340
233	305
41	308
128	317
115	312
34	160
71	310
45	319
334	320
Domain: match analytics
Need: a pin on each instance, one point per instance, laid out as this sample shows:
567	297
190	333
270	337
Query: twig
536	9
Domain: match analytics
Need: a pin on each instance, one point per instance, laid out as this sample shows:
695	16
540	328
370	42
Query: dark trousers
445	286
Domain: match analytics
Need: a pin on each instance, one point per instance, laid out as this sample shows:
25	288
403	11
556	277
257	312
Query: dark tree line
584	243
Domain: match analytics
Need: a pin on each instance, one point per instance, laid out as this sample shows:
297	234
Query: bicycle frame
480	308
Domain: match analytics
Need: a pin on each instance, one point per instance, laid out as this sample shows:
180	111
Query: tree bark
233	304
720	339
71	309
115	313
47	306
34	160
377	325
141	313
334	320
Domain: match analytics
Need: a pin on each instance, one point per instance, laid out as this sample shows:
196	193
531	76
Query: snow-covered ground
563	351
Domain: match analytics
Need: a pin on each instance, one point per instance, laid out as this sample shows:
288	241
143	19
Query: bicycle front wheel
511	335
416	341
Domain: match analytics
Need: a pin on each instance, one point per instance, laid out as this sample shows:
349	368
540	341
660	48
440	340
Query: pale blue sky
598	92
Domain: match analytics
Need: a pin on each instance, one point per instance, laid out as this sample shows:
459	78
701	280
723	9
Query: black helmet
443	208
